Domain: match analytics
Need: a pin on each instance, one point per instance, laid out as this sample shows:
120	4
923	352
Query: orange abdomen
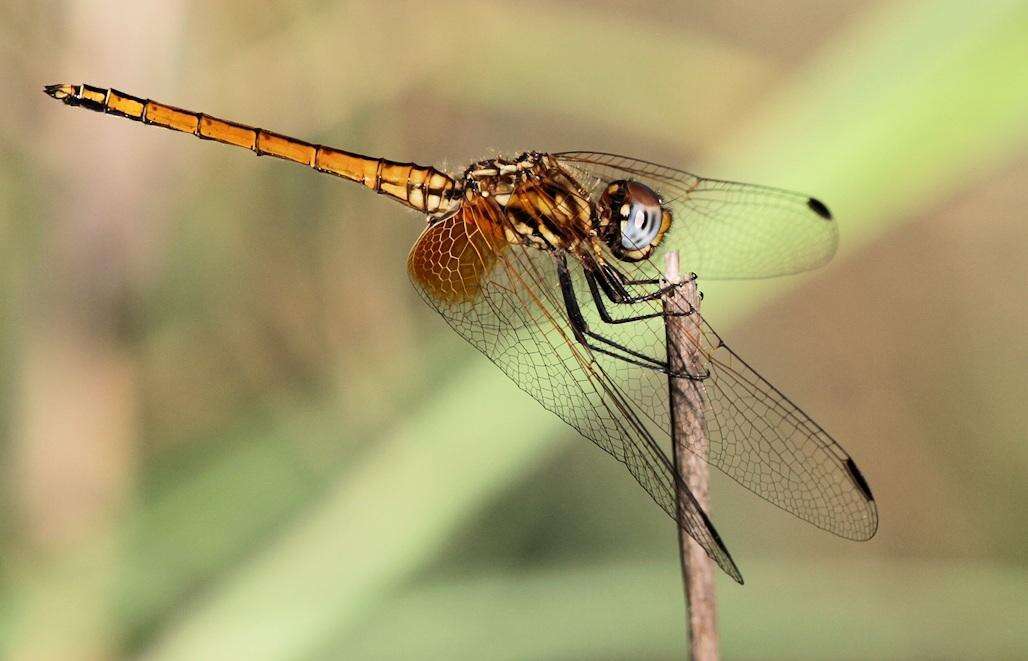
417	186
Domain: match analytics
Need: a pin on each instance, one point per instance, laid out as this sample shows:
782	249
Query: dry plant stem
690	449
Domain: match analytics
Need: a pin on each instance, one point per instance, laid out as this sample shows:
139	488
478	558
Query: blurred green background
231	430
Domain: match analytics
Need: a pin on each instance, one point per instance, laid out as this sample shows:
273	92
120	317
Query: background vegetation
231	430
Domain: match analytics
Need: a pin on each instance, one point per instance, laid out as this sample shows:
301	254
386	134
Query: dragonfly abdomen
420	187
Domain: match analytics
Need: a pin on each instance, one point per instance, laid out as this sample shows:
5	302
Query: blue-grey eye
640	223
632	219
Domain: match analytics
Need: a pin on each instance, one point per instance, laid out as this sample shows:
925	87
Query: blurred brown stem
690	448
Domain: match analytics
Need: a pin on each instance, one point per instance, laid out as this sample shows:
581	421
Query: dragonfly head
633	220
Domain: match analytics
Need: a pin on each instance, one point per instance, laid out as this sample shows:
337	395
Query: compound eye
640	219
636	220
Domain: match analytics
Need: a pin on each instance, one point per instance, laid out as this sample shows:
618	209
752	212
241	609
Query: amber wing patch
452	258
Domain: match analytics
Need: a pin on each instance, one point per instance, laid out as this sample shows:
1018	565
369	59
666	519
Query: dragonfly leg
611	348
595	285
614	284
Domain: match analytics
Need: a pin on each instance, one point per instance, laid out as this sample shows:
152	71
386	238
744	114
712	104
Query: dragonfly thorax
542	204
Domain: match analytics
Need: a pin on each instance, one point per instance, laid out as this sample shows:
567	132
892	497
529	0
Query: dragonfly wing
722	229
504	299
757	435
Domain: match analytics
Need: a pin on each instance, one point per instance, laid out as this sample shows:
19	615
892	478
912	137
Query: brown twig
690	448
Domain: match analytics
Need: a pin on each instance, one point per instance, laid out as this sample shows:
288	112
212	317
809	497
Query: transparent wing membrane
757	435
722	229
503	299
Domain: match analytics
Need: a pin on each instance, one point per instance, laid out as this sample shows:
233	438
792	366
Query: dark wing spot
818	207
858	478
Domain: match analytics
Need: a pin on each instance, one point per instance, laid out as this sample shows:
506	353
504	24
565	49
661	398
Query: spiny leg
596	284
614	284
583	333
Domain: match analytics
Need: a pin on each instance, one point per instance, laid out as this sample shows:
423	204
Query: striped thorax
545	207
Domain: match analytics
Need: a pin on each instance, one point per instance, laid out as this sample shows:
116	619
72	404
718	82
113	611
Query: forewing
504	300
722	229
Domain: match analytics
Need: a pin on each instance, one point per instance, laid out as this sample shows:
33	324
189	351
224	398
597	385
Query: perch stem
689	456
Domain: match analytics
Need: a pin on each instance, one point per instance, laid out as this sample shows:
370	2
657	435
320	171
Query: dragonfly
547	264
